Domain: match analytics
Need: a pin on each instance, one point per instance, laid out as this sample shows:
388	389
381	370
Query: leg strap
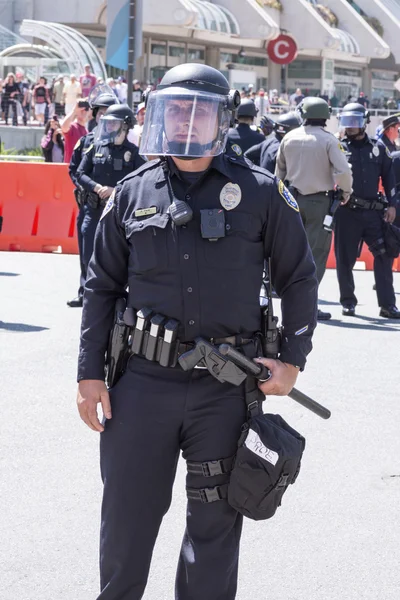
211	467
207	495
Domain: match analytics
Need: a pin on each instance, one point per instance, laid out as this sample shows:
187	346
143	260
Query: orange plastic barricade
38	207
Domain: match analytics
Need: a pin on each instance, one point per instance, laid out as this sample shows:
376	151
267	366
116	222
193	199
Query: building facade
344	46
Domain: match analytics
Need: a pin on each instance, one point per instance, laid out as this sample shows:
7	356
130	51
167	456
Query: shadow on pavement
328	303
375	324
21	327
3	274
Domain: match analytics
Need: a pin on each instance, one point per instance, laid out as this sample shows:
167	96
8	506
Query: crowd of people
24	102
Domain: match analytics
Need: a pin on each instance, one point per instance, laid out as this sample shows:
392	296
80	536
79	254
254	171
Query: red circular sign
282	50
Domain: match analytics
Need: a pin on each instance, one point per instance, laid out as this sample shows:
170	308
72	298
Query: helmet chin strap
197	150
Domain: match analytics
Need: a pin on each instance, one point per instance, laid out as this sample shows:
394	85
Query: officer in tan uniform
312	161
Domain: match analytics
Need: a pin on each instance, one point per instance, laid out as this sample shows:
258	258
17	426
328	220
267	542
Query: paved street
337	535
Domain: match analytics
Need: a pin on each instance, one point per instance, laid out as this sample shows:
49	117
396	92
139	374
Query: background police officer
159	236
243	137
105	162
254	153
390	132
269	148
312	160
361	219
99	105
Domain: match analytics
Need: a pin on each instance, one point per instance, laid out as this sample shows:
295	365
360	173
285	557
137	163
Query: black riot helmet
103	101
354	116
189	113
286	122
247	108
115	124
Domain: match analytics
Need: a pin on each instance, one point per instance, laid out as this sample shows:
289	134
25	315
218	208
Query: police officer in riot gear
99	102
311	159
254	153
243	137
107	160
179	234
269	148
361	218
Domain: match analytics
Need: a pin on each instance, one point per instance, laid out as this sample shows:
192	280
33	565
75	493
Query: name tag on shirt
144	212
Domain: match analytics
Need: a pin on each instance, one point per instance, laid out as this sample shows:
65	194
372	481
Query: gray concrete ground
337	535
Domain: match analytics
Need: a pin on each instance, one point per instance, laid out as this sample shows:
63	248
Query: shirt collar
219	163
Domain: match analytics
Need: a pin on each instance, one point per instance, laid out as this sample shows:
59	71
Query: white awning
74	47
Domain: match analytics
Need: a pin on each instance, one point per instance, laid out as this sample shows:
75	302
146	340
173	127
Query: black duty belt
355	203
180	348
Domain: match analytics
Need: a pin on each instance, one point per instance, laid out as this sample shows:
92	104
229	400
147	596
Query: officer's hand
105	192
90	393
283	377
345	198
390	214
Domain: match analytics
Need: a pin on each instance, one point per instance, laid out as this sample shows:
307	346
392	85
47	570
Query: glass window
195	54
347	72
177	51
305	69
158	49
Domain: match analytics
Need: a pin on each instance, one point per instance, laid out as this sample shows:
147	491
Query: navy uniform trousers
87	221
352	226
158	412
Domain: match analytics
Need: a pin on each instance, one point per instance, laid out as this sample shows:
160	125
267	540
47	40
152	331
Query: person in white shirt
72	91
122	90
262	104
135	134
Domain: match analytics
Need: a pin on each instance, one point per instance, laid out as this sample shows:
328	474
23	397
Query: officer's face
183	119
112	126
354	131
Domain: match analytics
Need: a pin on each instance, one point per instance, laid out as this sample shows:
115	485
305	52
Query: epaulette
151	164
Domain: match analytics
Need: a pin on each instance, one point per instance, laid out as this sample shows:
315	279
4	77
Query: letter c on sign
282	50
278	46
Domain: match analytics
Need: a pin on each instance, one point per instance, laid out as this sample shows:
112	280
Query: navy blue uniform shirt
254	153
81	146
370	161
107	164
244	136
384	140
211	287
269	153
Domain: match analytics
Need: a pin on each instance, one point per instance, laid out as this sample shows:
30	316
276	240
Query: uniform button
186	256
190	290
227	227
191	322
187	197
140	225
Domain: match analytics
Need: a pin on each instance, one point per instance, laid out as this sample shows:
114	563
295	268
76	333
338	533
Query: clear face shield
110	130
101	89
185	123
352	120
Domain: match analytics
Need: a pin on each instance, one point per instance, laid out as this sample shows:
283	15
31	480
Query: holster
93	200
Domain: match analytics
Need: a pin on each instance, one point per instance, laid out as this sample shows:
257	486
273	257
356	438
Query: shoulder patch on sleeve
237	149
341	147
87	150
78	143
287	196
108	206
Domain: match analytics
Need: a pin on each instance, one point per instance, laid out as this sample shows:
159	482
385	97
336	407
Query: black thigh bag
267	461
